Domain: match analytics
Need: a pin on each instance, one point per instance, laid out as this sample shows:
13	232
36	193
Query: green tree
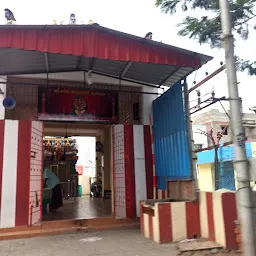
207	29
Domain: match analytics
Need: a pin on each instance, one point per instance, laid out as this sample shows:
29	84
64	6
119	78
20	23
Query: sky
139	17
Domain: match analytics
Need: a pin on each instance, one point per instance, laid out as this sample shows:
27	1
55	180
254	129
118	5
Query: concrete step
29	232
41	232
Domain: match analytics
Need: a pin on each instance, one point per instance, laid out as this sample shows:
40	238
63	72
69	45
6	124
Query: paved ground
109	243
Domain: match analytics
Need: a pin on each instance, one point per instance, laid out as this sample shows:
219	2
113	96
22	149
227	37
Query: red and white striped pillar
20	172
132	169
153	159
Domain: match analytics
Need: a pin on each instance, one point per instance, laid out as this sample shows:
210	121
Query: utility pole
244	193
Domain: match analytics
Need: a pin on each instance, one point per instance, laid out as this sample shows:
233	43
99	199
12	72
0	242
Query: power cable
194	78
224	110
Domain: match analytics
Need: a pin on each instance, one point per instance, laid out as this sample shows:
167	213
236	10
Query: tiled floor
81	208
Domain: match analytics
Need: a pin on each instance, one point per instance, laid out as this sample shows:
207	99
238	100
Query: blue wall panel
170	137
227	154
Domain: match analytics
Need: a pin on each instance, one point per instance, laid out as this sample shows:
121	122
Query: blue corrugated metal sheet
227	154
170	137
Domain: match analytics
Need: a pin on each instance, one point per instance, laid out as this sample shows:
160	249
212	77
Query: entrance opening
79	155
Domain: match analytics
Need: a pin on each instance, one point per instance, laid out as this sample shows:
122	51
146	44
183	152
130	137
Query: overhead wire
194	78
224	110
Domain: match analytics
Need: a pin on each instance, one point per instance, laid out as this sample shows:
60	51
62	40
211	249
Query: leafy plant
207	29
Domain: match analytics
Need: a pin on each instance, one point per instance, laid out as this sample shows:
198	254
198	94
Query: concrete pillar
107	159
3	88
147	101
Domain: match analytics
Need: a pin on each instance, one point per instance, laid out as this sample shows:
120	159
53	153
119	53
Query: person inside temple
149	35
72	19
10	20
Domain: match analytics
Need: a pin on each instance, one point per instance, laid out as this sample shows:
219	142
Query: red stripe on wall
154	181
165	223
150	223
1	156
229	216
148	162
193	220
129	172
23	173
153	159
163	194
210	216
151	136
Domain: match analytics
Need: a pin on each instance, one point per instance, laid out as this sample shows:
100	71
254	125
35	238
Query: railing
69	189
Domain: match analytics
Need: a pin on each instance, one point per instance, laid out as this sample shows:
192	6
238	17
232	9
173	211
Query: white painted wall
147	99
2	96
84	181
9	179
139	166
199	138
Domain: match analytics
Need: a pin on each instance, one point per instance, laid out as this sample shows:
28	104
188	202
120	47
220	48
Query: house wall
205	177
214	119
84	181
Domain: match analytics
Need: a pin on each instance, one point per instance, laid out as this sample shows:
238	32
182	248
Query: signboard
67	104
79	169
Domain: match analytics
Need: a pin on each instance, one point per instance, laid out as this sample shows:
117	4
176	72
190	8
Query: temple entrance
75	154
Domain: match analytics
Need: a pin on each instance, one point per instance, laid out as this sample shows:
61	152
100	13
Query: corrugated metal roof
47	49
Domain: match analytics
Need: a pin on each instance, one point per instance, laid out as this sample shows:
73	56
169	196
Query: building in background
200	140
219	122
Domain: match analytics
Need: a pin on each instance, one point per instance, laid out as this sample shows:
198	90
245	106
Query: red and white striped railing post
153	158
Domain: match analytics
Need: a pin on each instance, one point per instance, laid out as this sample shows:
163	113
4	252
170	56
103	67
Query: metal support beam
207	78
87	89
79	62
126	69
46	60
74	70
91	63
124	79
212	147
213	102
190	140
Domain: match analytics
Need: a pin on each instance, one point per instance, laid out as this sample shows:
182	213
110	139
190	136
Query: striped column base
161	194
212	217
170	222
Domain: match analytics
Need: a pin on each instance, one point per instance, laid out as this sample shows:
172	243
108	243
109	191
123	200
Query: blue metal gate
172	156
227	177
